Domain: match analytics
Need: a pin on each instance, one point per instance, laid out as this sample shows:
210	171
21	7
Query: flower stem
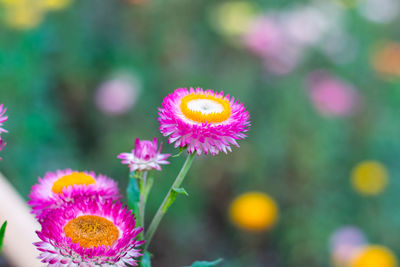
163	208
142	201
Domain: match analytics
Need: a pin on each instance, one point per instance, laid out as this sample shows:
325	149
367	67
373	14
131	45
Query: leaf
146	260
2	232
181	150
205	263
180	190
171	199
133	195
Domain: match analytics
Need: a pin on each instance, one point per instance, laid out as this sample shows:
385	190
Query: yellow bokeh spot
21	15
28	14
374	256
348	3
75	178
91	231
369	178
55	4
199	116
11	2
233	18
254	211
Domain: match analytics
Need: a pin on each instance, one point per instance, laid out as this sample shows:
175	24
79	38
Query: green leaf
205	263
174	193
180	191
181	150
146	260
2	232
133	195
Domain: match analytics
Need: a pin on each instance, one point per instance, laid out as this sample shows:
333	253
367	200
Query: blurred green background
50	73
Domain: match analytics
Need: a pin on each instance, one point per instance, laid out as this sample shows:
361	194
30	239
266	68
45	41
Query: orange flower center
91	231
78	178
205	108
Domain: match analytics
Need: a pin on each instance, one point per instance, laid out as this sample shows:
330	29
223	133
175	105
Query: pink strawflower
55	189
204	121
332	97
2	145
145	156
89	232
3	118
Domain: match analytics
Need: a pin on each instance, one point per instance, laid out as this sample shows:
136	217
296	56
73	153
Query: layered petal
56	188
67	243
204	121
145	156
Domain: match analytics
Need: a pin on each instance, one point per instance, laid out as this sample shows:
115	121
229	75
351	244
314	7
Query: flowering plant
199	122
84	223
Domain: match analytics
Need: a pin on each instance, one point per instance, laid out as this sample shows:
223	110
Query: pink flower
332	97
89	232
145	156
54	189
2	118
203	121
2	145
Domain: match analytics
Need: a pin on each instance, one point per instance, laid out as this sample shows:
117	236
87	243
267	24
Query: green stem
162	209
142	203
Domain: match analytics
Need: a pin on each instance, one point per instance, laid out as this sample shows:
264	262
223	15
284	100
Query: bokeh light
380	11
232	18
28	14
345	243
386	59
119	94
374	256
55	4
369	177
330	96
254	211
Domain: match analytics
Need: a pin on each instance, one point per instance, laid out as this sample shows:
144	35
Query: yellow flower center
205	108
91	231
75	178
254	211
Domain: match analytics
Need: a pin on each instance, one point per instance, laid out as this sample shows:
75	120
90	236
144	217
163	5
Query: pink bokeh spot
345	242
264	37
267	39
332	97
118	95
